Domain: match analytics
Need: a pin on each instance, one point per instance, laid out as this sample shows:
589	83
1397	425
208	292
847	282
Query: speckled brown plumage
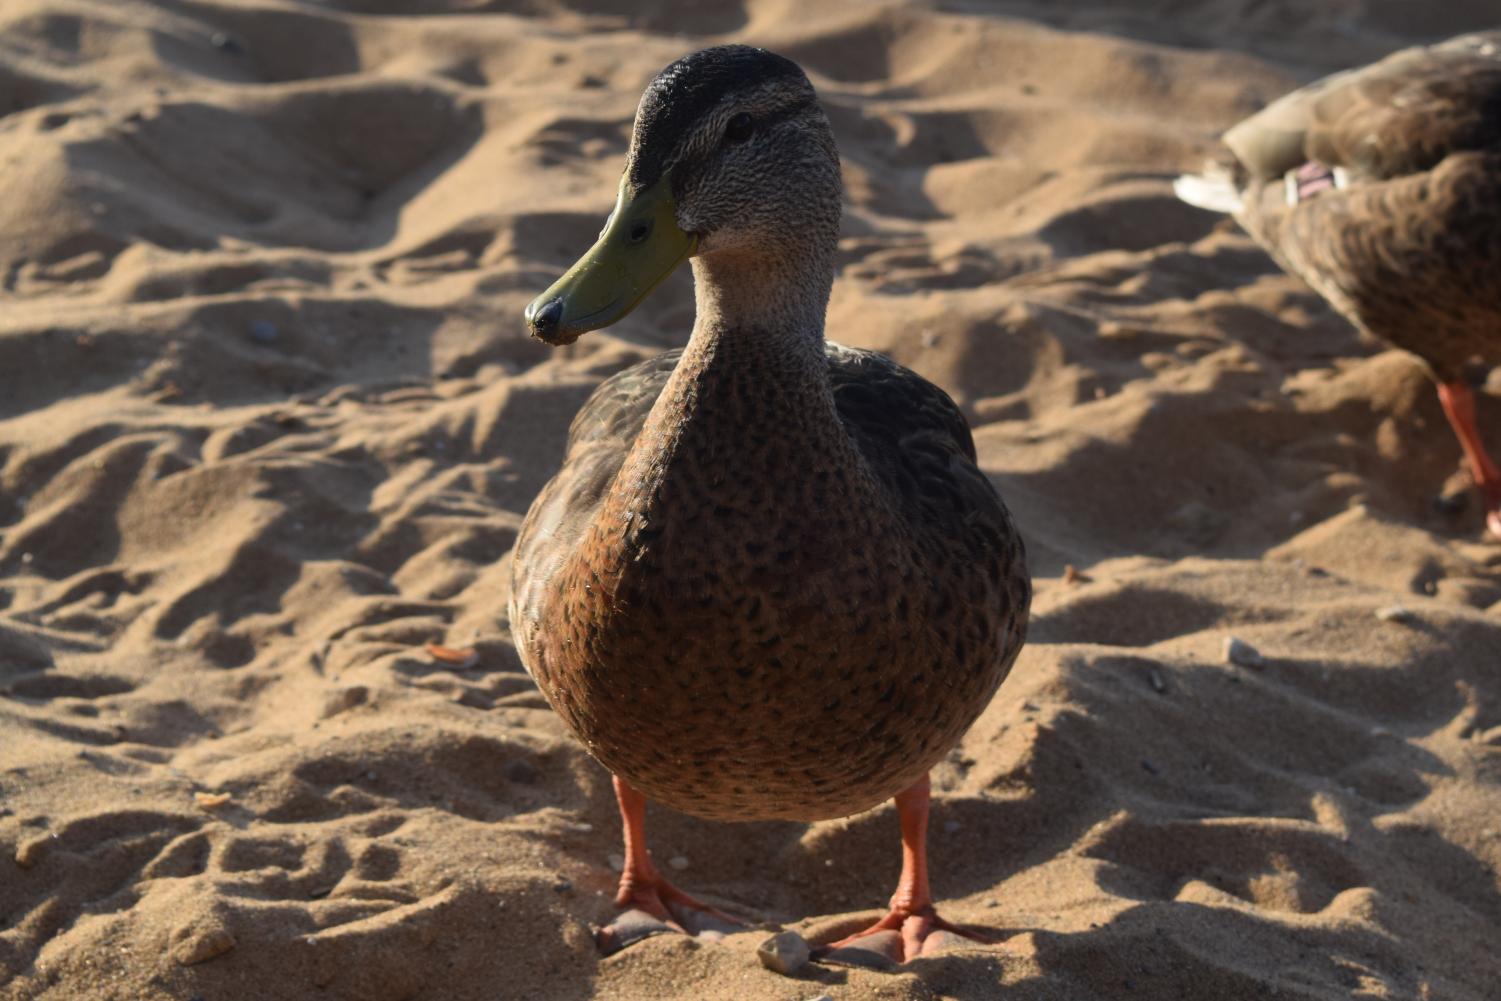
770	581
1409	245
781	596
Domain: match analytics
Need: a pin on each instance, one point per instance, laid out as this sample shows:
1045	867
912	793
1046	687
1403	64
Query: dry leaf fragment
460	658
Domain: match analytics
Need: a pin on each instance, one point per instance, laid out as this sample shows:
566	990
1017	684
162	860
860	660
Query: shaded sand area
269	423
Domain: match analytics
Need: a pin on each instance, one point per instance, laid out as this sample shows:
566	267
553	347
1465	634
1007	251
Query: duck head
731	156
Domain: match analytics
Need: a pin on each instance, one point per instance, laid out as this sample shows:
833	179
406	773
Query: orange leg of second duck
1459	406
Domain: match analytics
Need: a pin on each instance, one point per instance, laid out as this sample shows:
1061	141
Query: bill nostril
640	229
544	320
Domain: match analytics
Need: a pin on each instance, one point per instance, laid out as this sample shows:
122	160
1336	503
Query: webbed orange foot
658	907
651	905
911	928
897	938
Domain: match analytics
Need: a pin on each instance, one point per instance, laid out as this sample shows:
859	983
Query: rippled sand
269	422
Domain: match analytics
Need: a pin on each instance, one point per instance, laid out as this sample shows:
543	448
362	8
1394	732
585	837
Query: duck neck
748	411
768	299
755	361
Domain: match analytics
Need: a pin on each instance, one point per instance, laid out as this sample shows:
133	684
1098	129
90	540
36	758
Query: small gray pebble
264	332
1238	651
785	953
1394	613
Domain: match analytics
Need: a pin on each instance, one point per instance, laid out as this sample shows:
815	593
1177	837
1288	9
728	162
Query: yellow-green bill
641	245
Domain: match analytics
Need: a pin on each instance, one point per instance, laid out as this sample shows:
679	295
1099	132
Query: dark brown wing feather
916	440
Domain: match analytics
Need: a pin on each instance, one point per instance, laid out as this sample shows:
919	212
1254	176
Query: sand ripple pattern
269	423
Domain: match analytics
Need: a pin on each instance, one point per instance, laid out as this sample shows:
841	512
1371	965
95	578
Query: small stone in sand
211	800
1154	677
678	862
198	945
264	332
785	953
1238	651
1394	613
617	861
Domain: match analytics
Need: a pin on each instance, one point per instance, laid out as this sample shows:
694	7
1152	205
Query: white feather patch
1216	194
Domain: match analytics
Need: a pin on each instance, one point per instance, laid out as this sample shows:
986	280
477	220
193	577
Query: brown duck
769	581
1381	188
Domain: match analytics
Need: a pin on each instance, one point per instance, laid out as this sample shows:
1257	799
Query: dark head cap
683	92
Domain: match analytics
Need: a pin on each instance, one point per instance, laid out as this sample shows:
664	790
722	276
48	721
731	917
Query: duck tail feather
1213	191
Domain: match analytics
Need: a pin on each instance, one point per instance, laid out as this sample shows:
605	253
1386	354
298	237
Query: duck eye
740	128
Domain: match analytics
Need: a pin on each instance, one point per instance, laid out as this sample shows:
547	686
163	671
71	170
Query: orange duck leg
1459	406
912	927
650	903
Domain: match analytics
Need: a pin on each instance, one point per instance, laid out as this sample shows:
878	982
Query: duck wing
599	439
1396	117
885	405
916	440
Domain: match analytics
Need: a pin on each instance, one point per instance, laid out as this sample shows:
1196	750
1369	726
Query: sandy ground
269	422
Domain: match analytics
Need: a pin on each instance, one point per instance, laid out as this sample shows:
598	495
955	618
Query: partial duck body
1381	188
